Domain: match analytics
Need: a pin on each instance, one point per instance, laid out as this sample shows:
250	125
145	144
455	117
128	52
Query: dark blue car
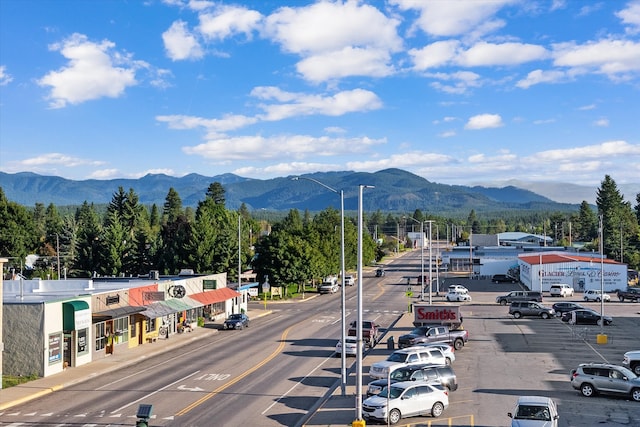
236	321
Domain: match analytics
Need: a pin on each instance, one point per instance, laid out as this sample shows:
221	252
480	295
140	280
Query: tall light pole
239	252
343	360
359	321
421	258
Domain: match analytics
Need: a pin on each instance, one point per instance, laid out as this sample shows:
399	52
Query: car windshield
419	331
529	412
401	375
235	317
397	357
394	392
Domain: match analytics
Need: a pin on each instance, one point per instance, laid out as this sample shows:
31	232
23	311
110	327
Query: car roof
408	384
534	400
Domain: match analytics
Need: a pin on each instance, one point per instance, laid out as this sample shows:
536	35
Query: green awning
75	315
177	304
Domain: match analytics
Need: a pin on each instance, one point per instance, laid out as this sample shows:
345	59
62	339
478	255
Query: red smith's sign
436	314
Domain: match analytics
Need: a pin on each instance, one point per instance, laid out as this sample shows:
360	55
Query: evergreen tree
216	193
87	260
18	233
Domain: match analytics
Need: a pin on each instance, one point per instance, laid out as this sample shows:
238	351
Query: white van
561	290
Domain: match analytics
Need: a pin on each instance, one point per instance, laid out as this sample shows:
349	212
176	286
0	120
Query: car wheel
437	409
517	315
636	369
635	394
447	361
394	416
598	299
599	322
458	344
448	300
545	315
587	390
503	302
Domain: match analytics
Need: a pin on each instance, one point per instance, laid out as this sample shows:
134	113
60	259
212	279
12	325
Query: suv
406	399
561	290
632	361
534	411
595	295
519	296
502	278
349	280
433	374
406	357
530	308
328	287
592	378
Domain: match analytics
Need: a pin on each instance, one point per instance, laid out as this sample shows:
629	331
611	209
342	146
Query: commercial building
52	325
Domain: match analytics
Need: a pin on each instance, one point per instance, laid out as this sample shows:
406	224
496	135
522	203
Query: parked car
563	307
561	290
406	399
519	296
530	308
405	357
595	295
236	321
379	272
594	378
631	294
433	374
447	349
534	411
585	316
350	347
349	280
631	360
457	296
502	278
458	288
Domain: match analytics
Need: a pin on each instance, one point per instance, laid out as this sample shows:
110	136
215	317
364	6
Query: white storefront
538	271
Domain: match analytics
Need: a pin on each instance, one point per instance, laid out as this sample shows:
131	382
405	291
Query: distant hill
395	191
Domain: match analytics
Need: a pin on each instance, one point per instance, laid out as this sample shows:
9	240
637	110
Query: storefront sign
82	341
115	299
55	355
82	319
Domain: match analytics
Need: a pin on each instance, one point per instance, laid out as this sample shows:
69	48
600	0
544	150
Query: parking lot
507	357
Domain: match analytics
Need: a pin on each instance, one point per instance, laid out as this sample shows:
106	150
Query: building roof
559	257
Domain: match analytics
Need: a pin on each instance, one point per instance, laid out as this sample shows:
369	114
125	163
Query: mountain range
395	190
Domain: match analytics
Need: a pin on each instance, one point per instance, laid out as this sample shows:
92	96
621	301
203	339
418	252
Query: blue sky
456	91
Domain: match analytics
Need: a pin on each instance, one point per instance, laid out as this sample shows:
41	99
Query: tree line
131	239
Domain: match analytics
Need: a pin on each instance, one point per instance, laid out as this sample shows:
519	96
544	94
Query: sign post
265	288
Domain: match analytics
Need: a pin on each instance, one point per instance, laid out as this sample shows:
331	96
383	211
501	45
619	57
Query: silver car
406	399
594	378
534	411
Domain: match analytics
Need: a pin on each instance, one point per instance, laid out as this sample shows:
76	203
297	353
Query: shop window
101	339
132	326
150	325
121	329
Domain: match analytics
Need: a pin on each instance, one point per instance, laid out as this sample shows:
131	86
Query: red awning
214	296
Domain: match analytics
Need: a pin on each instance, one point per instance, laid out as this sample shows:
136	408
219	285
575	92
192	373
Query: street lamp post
421	258
359	321
343	360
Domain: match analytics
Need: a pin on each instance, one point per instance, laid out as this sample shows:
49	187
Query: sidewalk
22	393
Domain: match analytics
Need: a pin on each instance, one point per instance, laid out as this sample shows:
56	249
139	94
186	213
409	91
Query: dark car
380	272
563	307
435	374
585	317
236	321
502	278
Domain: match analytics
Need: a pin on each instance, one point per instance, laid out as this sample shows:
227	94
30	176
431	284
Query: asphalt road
275	371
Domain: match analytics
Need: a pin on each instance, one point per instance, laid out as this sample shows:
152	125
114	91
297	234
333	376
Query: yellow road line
238	378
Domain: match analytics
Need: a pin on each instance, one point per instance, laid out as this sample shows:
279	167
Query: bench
152	337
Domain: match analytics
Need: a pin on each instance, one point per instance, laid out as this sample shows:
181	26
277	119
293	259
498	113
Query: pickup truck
632	361
632	294
434	333
370	332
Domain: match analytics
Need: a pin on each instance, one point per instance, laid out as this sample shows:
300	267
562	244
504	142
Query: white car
534	411
447	349
595	295
404	357
350	347
561	290
406	399
458	288
349	280
457	296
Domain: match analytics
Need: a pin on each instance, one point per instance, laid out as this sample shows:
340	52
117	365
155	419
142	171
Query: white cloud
447	134
540	76
403	160
94	71
631	16
601	122
5	78
336	39
453	18
180	43
613	58
489	54
57	159
484	121
293	146
283	169
434	55
104	174
604	150
226	123
227	21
